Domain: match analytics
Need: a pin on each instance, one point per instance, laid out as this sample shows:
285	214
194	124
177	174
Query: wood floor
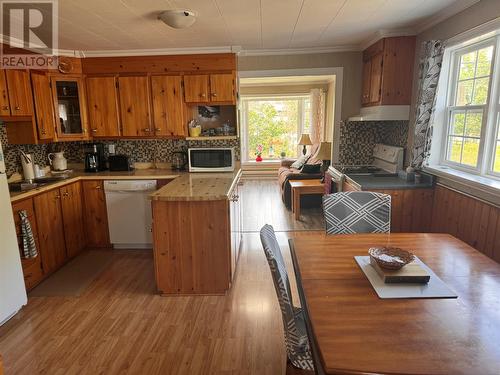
120	326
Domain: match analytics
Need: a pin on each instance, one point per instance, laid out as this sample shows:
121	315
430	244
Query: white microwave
211	159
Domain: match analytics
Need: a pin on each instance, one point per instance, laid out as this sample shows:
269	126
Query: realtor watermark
30	34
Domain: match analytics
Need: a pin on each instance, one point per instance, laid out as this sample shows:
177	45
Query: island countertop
198	187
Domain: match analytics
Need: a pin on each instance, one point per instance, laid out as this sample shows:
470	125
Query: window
275	123
472	137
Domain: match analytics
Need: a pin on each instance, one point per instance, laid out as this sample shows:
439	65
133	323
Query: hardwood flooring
261	200
119	325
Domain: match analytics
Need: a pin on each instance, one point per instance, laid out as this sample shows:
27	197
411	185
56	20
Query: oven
211	159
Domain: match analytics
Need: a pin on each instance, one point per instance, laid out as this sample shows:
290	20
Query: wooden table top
358	333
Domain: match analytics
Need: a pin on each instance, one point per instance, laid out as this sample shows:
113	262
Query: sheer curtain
317	130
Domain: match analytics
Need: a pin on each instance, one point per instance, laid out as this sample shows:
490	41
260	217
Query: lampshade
324	151
305	140
178	18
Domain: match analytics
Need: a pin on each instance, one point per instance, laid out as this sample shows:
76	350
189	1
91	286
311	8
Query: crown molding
298	51
160	51
387	33
445	13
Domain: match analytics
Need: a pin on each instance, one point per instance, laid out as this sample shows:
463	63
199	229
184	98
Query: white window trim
489	182
244	99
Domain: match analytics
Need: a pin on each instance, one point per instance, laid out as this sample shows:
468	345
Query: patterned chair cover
357	212
296	339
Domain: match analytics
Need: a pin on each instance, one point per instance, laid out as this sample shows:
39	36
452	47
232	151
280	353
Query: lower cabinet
72	211
96	217
49	220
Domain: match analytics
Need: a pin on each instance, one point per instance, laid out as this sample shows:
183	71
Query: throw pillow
311	168
300	162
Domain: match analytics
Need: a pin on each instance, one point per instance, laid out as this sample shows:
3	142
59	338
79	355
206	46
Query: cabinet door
134	106
19	89
69	104
365	93
102	102
376	78
95	214
32	267
221	88
168	106
72	211
44	110
4	96
196	88
50	229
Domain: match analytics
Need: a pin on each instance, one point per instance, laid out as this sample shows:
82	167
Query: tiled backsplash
141	150
357	139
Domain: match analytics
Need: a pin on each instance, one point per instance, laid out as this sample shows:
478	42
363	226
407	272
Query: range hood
383	113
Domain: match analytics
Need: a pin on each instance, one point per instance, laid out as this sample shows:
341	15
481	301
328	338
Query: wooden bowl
391	258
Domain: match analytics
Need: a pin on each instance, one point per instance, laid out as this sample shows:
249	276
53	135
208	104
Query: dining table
353	331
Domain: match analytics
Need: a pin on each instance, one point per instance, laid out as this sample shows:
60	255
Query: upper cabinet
70	107
20	101
103	106
168	106
44	110
4	95
388	72
209	88
134	106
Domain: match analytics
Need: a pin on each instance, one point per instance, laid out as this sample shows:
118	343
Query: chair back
357	212
296	339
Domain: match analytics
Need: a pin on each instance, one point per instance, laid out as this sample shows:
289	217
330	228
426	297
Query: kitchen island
197	233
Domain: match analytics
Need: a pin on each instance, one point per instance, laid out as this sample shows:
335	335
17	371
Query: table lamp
305	141
324	153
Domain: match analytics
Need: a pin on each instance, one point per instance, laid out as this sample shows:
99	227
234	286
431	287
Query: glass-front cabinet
69	103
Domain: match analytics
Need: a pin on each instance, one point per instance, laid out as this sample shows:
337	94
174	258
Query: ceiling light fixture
178	19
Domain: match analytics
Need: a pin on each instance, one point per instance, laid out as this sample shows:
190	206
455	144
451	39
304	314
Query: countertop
389	182
184	187
198	187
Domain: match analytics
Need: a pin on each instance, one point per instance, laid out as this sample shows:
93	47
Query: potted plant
258	152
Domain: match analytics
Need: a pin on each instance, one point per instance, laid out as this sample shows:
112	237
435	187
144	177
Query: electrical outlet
111	149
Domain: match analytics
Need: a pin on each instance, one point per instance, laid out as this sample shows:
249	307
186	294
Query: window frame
244	99
485	159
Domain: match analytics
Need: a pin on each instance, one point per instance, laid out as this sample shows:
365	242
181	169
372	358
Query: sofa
286	173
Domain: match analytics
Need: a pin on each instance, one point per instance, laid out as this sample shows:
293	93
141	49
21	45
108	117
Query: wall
350	61
140	150
357	139
481	12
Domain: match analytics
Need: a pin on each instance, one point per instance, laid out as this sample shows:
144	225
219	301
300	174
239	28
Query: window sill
481	187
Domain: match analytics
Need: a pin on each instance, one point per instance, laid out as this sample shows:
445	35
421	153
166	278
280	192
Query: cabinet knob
146	130
214	94
98	187
57	196
94	130
202	95
5	107
157	129
43	132
17	108
65	194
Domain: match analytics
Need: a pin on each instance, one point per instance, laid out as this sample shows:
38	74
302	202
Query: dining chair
296	340
357	212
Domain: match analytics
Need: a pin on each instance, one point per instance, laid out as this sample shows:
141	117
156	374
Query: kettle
57	161
179	161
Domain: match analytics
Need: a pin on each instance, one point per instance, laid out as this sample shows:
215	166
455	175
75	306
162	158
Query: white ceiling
97	25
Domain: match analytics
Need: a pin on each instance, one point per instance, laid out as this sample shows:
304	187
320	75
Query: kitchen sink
26	185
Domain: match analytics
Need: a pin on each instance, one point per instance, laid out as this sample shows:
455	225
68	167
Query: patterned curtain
317	116
429	70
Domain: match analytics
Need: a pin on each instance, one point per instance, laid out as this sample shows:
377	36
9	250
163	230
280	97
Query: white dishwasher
129	213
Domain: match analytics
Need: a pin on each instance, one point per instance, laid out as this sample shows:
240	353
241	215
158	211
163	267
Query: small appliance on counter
179	161
119	163
94	158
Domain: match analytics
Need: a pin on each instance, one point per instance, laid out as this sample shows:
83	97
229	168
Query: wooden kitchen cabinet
32	267
50	225
72	211
196	88
4	95
95	214
235	223
168	106
69	100
44	109
134	106
222	87
102	100
19	91
388	72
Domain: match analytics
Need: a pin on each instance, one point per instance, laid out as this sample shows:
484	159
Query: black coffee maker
94	158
